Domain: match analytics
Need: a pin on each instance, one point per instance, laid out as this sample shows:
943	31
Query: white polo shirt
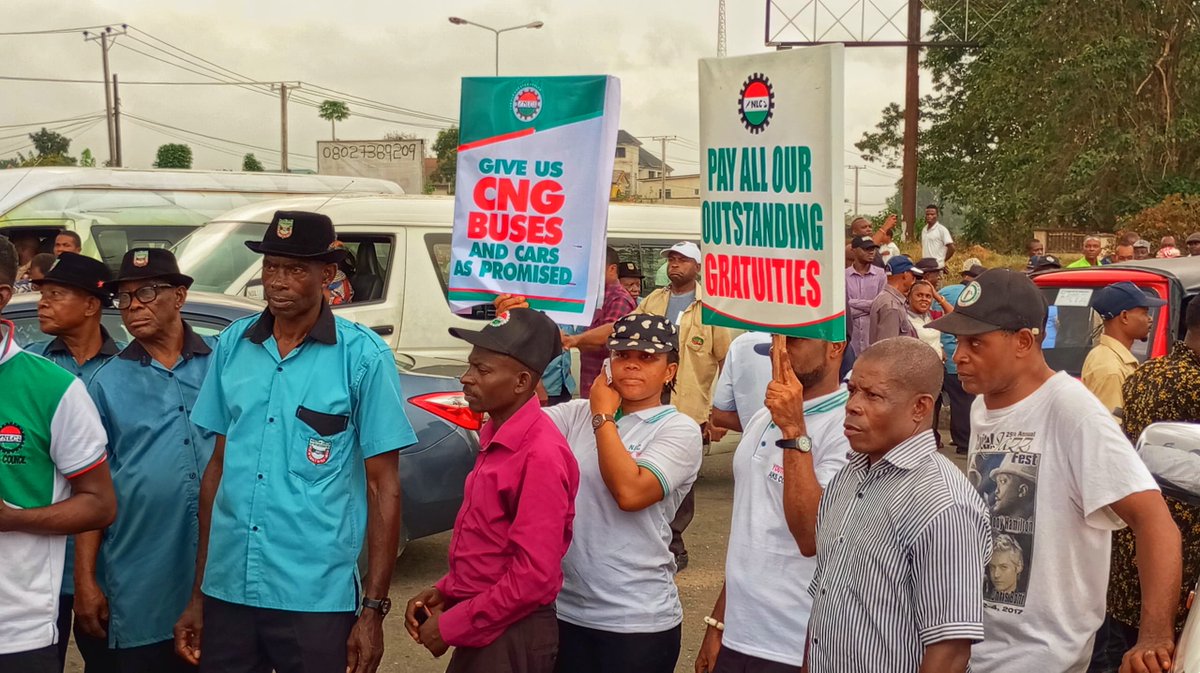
742	385
619	575
49	433
934	241
766	578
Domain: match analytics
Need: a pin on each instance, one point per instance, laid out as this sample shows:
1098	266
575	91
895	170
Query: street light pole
496	32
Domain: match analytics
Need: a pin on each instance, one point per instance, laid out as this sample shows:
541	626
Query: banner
771	192
531	203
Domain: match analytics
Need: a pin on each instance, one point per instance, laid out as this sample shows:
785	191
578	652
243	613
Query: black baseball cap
528	336
628	270
929	264
999	299
85	273
864	243
1045	262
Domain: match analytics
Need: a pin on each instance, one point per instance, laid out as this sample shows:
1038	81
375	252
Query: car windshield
216	254
1073	328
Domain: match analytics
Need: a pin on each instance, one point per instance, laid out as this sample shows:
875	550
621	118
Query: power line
217	138
77	132
60	128
123	82
53	31
54	121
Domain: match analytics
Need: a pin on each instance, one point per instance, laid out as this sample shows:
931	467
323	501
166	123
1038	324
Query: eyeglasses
144	294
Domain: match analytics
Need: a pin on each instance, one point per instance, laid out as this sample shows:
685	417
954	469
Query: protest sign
531	204
771	192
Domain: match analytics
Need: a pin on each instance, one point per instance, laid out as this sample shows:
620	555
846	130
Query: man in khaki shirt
1125	310
702	350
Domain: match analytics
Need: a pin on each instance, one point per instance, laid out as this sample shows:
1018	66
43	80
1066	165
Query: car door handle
383	330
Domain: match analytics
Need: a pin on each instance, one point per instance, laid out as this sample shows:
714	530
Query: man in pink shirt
496	604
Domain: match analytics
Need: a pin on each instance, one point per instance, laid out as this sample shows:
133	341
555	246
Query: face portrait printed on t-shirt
1005	472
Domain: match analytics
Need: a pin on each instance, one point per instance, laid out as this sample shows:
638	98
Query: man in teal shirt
72	303
140	570
959	399
309	416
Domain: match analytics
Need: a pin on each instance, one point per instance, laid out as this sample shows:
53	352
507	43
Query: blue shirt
57	352
291	511
949	341
148	557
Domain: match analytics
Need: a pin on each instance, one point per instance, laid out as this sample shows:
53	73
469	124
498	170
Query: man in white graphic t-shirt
789	451
1059	477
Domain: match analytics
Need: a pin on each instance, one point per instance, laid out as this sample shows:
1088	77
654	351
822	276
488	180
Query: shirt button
191	475
279	369
860	494
255	529
260	476
186	442
764	443
170	375
271	419
181	408
815	641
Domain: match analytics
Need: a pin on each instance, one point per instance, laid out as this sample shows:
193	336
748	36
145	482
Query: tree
445	147
333	111
174	155
86	159
400	135
251	163
1074	114
51	150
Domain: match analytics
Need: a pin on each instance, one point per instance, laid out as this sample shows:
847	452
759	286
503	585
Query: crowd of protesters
218	494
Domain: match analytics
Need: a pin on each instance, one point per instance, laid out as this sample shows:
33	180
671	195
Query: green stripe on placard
833	329
484	297
486	109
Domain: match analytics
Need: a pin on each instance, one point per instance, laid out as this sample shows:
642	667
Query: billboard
401	161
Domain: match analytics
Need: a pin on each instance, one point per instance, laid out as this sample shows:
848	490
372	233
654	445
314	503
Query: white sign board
771	192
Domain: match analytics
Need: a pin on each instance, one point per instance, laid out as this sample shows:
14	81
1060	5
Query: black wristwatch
382	606
803	444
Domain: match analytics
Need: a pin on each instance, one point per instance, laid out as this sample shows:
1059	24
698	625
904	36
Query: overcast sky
402	53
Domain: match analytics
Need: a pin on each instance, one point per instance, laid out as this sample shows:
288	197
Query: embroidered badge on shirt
319	450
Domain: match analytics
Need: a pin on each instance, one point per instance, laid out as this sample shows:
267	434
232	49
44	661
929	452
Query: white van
401	248
114	209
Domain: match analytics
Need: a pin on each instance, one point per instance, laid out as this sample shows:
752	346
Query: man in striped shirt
902	537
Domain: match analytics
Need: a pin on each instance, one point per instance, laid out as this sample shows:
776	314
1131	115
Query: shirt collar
323	331
887	287
872	270
511	434
1118	348
7	348
653	414
906	455
193	345
108	347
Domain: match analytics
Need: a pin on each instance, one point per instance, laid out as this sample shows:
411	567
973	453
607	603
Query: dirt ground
424	561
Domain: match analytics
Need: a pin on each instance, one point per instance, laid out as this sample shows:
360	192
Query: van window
216	255
367	268
1073	329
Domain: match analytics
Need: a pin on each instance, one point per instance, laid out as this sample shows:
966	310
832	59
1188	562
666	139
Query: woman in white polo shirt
619	609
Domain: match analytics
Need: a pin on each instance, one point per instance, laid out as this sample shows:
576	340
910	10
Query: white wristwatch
720	626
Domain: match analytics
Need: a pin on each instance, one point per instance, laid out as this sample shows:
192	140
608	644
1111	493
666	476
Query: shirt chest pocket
321	446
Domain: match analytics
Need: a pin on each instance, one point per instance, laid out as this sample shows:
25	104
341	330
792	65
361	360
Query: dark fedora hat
144	263
300	235
78	271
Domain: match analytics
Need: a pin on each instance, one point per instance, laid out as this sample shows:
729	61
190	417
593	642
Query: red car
1074	328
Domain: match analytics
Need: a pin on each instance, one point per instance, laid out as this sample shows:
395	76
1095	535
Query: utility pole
912	116
856	169
120	161
662	195
284	88
105	38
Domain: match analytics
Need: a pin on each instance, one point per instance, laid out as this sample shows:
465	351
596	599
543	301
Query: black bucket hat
145	263
644	332
300	235
79	271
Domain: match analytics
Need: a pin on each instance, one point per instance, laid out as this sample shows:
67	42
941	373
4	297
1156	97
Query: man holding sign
789	451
